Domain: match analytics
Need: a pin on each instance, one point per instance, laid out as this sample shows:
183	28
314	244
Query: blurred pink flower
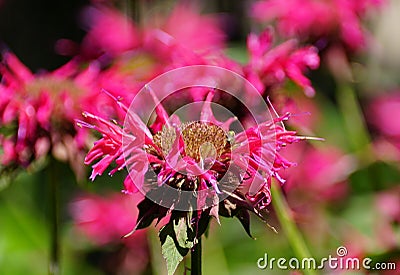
199	33
269	66
388	204
131	55
109	32
37	112
181	38
306	114
379	114
315	19
104	219
182	32
324	172
129	73
386	150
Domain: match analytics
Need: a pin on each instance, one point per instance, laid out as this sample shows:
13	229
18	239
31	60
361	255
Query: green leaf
180	235
176	239
171	254
184	235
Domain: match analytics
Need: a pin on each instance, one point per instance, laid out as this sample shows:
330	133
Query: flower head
269	67
103	220
109	32
315	20
194	31
130	55
202	157
38	111
383	108
184	33
325	172
380	112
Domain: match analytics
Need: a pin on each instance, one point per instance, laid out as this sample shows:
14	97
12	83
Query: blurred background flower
324	22
103	220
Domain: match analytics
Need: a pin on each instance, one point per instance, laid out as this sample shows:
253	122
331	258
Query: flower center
202	140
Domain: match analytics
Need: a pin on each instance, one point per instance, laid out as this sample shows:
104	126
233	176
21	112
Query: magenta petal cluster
270	66
108	32
92	216
30	106
387	143
173	151
325	171
384	107
316	19
180	36
133	55
103	220
38	111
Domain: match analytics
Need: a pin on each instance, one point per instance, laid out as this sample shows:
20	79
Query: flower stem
196	258
353	119
54	267
289	226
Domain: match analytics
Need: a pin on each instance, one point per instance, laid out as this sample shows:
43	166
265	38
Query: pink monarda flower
109	32
325	172
269	67
178	153
381	110
329	20
190	29
37	112
131	55
103	220
184	32
379	114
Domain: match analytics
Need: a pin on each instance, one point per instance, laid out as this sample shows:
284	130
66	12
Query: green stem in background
196	258
288	225
54	267
354	120
156	258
